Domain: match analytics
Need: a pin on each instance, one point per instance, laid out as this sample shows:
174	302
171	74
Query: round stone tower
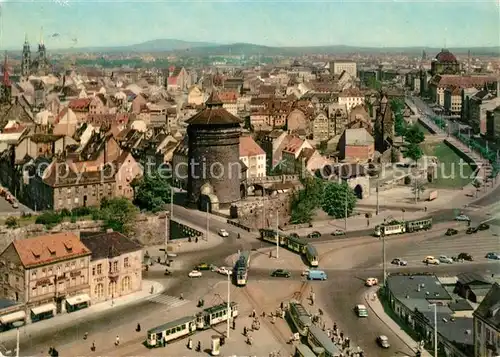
215	170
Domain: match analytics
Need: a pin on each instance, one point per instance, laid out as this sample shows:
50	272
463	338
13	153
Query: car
451	232
167	272
305	272
462	218
195	274
224	271
399	261
371	282
471	230
445	259
202	266
314	234
383	341
493	256
280	273
223	233
431	260
483	227
338	232
465	256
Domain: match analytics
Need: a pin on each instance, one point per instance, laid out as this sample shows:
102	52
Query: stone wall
148	230
260	212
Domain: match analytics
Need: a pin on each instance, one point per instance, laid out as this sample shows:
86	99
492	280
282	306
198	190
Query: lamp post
435	330
17	325
208	225
345	211
229	312
277	236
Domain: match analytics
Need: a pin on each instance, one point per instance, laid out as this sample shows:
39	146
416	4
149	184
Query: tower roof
445	56
213	114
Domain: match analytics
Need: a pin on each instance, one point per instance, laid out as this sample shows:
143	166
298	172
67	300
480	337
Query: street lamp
17	325
435	330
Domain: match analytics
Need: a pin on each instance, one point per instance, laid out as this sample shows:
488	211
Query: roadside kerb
372	300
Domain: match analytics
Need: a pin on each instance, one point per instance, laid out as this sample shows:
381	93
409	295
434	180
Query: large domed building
445	62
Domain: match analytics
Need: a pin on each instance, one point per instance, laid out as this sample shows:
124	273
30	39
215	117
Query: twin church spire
39	65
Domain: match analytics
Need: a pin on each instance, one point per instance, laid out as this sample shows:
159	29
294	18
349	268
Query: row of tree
331	197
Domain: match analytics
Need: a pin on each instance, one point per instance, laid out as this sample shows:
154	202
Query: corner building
215	175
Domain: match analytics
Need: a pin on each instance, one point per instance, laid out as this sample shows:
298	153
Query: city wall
260	212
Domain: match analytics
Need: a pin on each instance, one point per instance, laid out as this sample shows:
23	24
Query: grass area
423	128
449	173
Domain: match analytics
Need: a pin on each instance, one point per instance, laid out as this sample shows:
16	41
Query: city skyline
295	24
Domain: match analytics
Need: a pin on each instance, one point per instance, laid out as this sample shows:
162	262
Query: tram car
303	351
299	317
241	269
164	334
318	340
400	227
293	243
312	256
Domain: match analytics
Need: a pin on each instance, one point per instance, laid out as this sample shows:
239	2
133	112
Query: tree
414	135
413	151
152	192
306	201
11	222
118	214
334	199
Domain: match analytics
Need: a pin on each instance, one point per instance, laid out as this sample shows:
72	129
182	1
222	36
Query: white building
350	98
253	157
339	66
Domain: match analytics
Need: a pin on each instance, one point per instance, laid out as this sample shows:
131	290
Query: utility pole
264	214
435	330
383	258
378	207
229	312
17	342
277	235
345	204
208	225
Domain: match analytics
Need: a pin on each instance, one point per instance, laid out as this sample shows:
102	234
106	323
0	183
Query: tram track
272	327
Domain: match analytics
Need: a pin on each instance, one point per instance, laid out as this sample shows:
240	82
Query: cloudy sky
277	23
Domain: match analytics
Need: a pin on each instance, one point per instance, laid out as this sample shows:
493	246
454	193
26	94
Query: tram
292	243
164	334
300	317
400	227
241	269
312	255
303	351
318	339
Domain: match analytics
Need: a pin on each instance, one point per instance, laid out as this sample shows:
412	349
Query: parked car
431	260
202	266
465	256
462	218
451	232
223	233
493	256
471	230
445	259
280	273
371	282
338	232
483	227
383	341
224	271
399	261
195	274
314	234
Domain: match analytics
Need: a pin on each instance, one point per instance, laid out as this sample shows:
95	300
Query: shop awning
78	299
15	316
43	308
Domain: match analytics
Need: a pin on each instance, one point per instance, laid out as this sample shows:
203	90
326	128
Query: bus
241	269
312	255
300	318
317	338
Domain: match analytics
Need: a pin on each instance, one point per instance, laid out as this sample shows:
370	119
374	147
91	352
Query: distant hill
205	48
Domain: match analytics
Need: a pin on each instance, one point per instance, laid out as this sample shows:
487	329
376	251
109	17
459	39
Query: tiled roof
358	137
462	81
489	309
445	56
293	145
213	114
248	147
80	104
228	97
108	245
49	248
172	81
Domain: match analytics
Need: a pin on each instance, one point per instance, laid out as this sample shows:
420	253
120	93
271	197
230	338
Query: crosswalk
167	300
475	244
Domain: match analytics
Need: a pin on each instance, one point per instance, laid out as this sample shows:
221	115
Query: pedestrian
270	254
198	346
335	327
234	324
196	240
222	340
182	296
138	328
190	344
244	330
92	348
253	313
117	341
281	305
85	335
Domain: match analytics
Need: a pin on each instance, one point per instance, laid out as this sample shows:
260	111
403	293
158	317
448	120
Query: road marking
167	300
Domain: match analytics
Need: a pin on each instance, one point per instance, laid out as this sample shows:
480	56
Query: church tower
26	59
42	53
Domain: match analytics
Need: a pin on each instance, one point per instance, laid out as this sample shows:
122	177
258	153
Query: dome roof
446	56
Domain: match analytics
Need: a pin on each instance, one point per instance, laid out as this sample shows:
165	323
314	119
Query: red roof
80	104
446	56
248	147
61	115
293	145
228	97
172	81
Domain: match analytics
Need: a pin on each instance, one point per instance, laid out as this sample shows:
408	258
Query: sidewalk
87	313
375	305
184	246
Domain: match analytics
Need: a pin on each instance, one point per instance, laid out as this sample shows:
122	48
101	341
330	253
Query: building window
126	263
115	266
126	284
99	269
33	274
93	271
99	291
82	279
33	291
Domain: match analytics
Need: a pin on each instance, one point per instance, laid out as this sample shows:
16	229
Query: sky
373	23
